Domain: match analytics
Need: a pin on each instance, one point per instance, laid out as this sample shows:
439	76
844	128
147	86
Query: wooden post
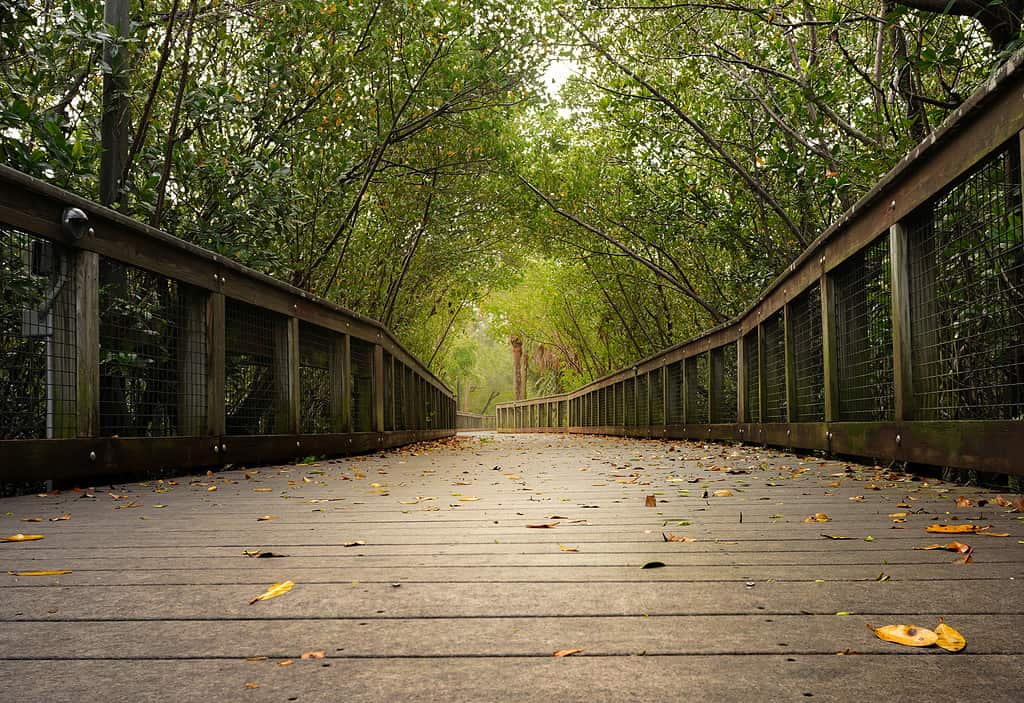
792	411
215	364
193	368
286	375
115	118
829	347
903	363
87	342
377	374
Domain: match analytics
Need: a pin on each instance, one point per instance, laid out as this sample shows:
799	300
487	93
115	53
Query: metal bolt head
216	449
298	444
223	447
899	440
892	205
92	456
828	435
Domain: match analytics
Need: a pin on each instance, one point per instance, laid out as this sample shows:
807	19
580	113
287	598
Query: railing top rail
533	401
35	206
991	115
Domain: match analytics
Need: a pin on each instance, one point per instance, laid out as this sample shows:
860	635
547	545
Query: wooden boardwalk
454	597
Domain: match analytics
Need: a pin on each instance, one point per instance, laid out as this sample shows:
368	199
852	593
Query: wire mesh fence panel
967	297
629	395
809	367
563	413
401	421
863	311
751	378
697	374
152	355
389	392
774	350
315	346
674	388
251	340
362	386
38	354
602	408
657	397
724	407
643	400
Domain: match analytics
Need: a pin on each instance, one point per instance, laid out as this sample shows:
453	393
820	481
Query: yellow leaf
212	488
949	639
817	517
55	572
955	529
857	499
897	514
252	684
468	499
318	654
722	493
20	538
909	635
277	589
285	662
669	537
567	548
566	652
263	490
266	517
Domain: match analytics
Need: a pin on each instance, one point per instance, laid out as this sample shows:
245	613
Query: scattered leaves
275	590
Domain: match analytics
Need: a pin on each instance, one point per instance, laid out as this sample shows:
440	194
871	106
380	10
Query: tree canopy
414	162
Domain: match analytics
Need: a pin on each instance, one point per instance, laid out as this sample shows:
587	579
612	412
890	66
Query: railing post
903	363
829	347
377	374
87	343
792	411
286	375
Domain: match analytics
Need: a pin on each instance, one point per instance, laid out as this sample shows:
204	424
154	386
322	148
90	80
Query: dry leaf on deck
964	502
566	652
908	635
31	519
653	565
949	639
468	499
317	654
263	490
669	537
955	529
817	517
567	548
212	488
55	572
857	499
266	517
65	516
543	525
836	536
722	493
357	543
277	589
650	502
21	538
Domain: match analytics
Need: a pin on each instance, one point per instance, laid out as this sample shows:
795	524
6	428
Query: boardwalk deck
457	599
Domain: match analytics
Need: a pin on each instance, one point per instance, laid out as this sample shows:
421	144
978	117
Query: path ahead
453	597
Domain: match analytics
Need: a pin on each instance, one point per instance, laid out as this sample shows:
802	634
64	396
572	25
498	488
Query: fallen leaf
650	502
817	517
566	652
252	684
897	514
986	532
257	554
263	490
857	499
21	538
285	662
653	565
55	572
543	525
31	519
836	536
722	493
669	537
949	639
567	548
357	543
266	517
909	635
956	529
65	516
964	502
277	589
317	654
468	499
212	488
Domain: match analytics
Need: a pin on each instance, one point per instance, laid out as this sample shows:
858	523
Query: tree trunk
517	368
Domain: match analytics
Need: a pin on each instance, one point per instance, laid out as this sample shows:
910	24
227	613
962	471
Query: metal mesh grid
249	377
389	392
629	393
643	400
698	376
152	355
774	331
657	397
967	298
751	379
864	334
602	416
315	345
805	312
563	413
725	406
674	383
362	386
38	354
401	421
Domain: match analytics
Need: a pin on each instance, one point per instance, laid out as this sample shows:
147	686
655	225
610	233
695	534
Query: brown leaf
251	684
543	525
21	538
566	652
285	662
908	635
964	502
55	572
650	502
956	529
669	537
31	519
357	543
722	493
316	654
836	536
817	517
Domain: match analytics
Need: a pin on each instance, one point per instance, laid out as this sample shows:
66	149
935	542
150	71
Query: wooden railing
897	335
473	421
124	349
